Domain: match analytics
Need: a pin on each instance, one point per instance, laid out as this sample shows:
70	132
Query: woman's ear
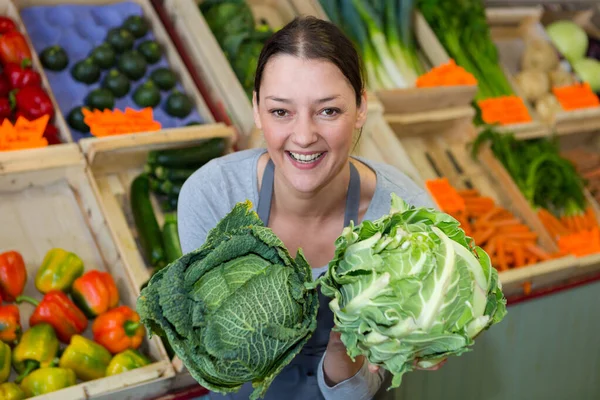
361	116
255	112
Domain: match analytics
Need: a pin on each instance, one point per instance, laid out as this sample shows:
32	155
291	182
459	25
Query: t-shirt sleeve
362	386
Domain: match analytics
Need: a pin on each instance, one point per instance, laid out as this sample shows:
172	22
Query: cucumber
188	157
173	174
170	238
170	203
149	232
170	188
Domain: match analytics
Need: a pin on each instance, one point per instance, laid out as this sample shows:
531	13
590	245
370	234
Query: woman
309	99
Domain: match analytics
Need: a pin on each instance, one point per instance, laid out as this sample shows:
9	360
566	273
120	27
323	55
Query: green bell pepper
46	380
86	358
4	362
58	271
11	391
126	361
37	349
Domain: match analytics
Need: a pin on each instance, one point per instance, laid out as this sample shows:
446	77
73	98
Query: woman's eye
279	113
330	112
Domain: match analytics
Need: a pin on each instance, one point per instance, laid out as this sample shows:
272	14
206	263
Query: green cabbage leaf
236	310
410	286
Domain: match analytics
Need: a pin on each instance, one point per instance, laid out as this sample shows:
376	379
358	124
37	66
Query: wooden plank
43	158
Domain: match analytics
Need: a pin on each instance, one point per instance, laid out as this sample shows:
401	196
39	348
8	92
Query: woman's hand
434	368
337	365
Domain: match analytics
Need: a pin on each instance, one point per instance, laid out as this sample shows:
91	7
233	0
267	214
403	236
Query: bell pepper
95	293
13	275
32	101
58	271
5	109
22	75
86	358
46	380
126	361
37	349
59	311
11	391
51	134
7	25
4	86
4	362
10	324
13	48
119	329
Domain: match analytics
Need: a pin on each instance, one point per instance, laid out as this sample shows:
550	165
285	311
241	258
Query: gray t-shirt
212	191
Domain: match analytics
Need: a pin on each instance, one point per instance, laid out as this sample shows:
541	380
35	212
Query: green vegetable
54	58
86	71
100	99
11	391
192	123
137	25
236	309
170	203
164	78
178	105
149	233
569	38
588	69
410	285
104	56
151	51
462	29
170	237
117	83
147	95
126	361
47	380
229	18
188	157
76	120
133	65
120	39
545	178
173	174
168	187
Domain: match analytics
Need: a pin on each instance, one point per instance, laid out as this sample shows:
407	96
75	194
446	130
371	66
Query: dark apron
298	380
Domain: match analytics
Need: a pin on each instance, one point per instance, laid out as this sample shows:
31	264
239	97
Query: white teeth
306	158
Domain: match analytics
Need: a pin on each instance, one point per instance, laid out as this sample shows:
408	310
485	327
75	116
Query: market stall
128	99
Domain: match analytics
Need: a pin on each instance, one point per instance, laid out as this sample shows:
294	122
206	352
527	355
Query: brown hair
313	38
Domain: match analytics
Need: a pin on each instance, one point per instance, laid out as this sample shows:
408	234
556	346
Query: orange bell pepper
119	329
10	324
13	275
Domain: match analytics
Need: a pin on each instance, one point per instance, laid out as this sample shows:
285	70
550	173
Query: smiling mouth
306	158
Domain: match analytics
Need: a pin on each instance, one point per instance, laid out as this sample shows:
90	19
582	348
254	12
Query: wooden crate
53	202
169	51
8	9
510	29
415	111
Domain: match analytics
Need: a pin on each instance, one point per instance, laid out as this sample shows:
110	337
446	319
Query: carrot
514	229
468	193
527	288
481	237
538	252
501	255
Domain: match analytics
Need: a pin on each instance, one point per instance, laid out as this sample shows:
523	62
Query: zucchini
148	230
188	157
170	238
170	203
170	188
173	174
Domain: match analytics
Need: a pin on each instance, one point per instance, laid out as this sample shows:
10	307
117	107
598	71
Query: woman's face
308	115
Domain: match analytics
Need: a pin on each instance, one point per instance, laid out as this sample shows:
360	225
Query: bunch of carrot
573	97
577	234
508	242
21	135
504	110
448	74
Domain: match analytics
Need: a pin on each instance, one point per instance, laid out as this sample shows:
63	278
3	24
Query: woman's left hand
434	368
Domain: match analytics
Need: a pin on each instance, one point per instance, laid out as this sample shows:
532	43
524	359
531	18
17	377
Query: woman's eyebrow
318	101
279	99
326	99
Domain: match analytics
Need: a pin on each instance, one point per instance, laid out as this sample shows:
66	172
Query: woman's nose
305	131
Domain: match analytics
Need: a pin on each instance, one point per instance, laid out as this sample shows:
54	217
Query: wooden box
50	202
511	29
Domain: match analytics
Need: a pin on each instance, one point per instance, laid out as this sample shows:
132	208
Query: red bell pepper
4	86
51	134
7	25
95	292
10	324
5	109
33	102
59	311
119	329
14	48
13	275
22	75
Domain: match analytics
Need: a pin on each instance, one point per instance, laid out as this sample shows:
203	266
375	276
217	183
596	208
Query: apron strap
265	195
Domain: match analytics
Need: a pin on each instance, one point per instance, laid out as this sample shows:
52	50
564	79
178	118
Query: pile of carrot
504	110
21	136
573	97
587	163
508	242
578	234
448	74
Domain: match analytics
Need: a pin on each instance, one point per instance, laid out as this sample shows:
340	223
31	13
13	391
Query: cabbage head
408	286
235	310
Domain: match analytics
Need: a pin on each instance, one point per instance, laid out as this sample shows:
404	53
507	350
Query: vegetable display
126	361
382	31
410	286
58	271
119	329
215	351
232	23
36	349
95	293
86	358
47	380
